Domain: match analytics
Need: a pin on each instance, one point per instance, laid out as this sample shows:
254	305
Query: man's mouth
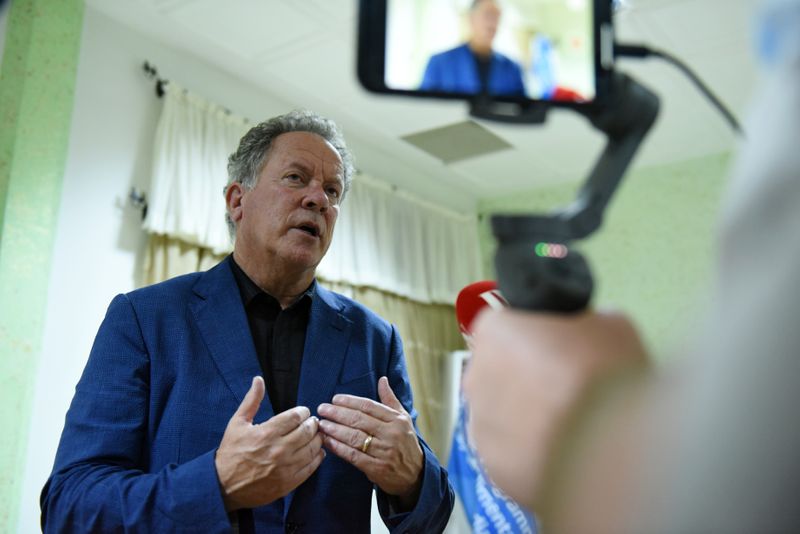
310	229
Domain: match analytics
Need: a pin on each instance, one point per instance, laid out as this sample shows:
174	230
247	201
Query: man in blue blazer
209	400
474	67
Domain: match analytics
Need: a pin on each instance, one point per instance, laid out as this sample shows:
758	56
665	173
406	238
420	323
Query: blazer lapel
327	338
468	70
221	320
326	345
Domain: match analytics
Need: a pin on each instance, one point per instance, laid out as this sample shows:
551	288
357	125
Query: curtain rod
152	73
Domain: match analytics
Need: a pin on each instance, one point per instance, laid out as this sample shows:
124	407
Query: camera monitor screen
510	49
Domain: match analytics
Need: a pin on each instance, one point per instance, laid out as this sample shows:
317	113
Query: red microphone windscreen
474	298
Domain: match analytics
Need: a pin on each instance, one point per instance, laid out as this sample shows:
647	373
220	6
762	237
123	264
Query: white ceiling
303	51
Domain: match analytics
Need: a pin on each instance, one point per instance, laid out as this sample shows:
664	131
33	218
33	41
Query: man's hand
528	374
393	459
257	464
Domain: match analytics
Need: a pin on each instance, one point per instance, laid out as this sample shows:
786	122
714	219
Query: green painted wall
653	257
37	80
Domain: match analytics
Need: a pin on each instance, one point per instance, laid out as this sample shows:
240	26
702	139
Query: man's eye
294	177
334	192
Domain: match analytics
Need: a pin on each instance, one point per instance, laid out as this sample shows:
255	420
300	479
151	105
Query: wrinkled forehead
308	150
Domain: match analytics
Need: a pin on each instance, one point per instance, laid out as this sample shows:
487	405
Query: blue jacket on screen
456	71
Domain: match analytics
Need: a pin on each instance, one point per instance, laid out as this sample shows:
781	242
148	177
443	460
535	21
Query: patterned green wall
36	94
653	257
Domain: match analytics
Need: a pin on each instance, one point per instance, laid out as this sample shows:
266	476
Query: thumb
249	406
387	396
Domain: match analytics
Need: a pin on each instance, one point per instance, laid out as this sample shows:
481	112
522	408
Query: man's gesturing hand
393	459
257	464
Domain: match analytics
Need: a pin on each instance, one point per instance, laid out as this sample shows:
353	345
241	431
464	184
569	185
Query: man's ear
233	201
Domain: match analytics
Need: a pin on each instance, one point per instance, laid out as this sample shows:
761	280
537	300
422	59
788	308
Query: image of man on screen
474	67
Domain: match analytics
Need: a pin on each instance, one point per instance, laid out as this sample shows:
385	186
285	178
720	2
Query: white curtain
384	239
396	243
193	141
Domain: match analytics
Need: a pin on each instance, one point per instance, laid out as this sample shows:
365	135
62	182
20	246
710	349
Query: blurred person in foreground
569	425
197	410
474	67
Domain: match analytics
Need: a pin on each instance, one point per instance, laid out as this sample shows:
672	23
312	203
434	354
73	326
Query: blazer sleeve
100	481
436	498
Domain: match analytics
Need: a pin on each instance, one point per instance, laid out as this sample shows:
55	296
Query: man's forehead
487	5
307	149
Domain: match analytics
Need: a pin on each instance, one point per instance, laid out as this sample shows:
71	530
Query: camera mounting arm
535	268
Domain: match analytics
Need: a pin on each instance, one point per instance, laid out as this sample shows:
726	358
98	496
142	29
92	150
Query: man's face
484	20
288	217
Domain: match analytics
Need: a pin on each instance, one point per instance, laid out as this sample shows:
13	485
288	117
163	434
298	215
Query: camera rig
536	269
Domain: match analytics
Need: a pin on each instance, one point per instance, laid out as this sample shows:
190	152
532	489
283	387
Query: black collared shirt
279	336
484	65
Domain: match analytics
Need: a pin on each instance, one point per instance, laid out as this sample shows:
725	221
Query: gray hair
475	3
246	164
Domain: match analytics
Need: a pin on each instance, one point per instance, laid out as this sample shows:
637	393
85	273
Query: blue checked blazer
169	366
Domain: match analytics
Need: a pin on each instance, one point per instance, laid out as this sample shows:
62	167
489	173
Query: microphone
474	298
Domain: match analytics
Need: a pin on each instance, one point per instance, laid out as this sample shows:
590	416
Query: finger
355	457
387	396
286	422
351	418
306	453
367	406
252	400
349	436
303	434
308	469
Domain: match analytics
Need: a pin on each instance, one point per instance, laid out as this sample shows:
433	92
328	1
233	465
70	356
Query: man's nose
315	197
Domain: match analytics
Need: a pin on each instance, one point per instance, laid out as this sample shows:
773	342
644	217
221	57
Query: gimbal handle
535	268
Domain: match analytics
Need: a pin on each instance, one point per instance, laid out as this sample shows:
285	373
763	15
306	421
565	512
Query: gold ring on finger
367	441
